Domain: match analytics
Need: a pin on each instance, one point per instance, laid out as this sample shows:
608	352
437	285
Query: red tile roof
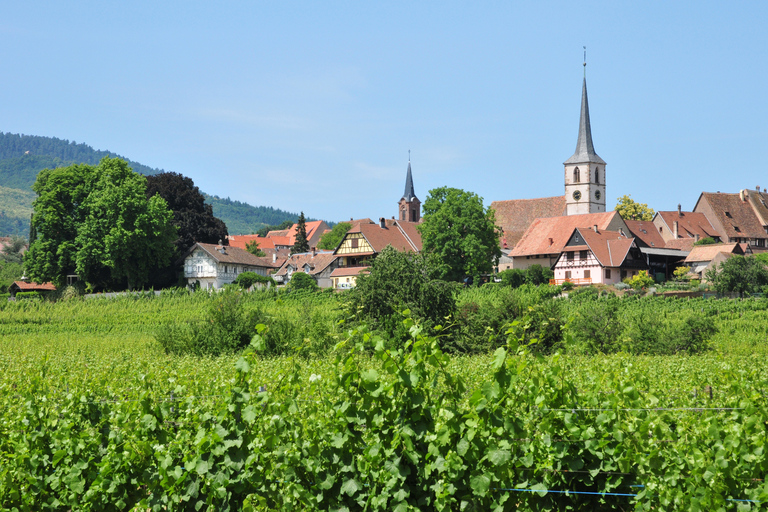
349	271
708	252
317	262
549	235
609	247
29	286
689	224
403	237
515	216
314	230
681	244
645	232
241	241
226	254
732	212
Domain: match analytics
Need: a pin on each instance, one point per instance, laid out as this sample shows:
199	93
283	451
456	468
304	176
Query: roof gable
515	216
549	235
234	255
735	214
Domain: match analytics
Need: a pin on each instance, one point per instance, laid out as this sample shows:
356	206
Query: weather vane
409	155
585	62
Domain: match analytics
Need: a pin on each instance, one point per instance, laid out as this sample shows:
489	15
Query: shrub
247	279
596	327
29	295
513	277
302	281
536	275
640	280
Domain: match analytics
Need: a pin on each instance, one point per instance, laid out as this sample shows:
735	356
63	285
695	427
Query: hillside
22	157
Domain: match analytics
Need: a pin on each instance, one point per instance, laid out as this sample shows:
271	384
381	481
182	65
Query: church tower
409	205
584	171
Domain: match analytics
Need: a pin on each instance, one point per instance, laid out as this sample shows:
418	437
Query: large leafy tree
460	232
192	217
738	274
301	244
97	222
333	238
629	209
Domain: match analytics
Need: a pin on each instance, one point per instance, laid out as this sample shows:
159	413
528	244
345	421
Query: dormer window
737	229
728	214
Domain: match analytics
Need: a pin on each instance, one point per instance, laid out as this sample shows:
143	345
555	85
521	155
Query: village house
211	266
676	225
318	264
592	256
740	218
703	257
29	286
266	244
286	238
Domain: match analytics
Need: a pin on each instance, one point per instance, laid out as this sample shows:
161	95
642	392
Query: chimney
697	237
314	251
551	241
594	228
274	257
383	223
758	188
679	209
674	229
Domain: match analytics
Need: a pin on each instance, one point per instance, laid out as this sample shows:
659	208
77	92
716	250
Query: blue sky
313	106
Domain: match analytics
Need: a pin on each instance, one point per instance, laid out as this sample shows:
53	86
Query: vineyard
96	415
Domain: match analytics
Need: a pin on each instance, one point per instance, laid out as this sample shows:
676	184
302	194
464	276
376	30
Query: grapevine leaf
480	484
350	487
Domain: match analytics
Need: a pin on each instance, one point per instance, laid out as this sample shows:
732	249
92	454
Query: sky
314	106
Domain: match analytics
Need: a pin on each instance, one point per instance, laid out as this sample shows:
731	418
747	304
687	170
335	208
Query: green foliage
640	280
30	295
15	211
738	274
98	223
681	273
301	281
9	272
248	279
460	232
253	248
398	281
706	241
12	252
631	210
513	277
286	224
329	241
244	219
536	275
301	244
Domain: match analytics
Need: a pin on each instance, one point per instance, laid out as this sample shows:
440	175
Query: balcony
583	281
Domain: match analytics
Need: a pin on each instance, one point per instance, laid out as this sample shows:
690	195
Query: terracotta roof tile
241	241
689	224
29	286
515	216
609	247
403	237
708	252
317	262
681	244
646	233
733	213
349	271
549	235
234	255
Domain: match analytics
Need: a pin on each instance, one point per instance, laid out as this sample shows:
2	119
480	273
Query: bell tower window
597	175
576	175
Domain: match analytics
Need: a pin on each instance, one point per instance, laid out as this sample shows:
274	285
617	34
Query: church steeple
585	150
585	170
409	205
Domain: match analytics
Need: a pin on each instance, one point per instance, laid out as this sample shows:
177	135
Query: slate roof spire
585	150
409	194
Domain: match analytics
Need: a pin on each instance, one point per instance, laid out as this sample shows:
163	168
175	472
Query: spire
585	151
409	194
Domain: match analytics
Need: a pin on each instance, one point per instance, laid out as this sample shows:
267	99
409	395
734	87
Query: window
661	230
607	273
567	274
569	255
226	269
587	274
597	175
583	255
576	175
354	243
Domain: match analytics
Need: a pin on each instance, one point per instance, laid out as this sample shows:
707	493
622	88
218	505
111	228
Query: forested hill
22	157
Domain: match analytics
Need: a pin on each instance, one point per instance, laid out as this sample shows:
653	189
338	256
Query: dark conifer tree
301	244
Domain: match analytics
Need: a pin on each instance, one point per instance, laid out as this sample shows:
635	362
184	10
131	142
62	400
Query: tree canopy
97	222
330	240
192	217
301	244
460	232
629	209
738	274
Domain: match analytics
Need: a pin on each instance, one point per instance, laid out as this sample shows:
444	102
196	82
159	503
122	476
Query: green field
96	416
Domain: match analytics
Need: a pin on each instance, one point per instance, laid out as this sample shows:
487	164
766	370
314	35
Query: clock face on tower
597	194
577	195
